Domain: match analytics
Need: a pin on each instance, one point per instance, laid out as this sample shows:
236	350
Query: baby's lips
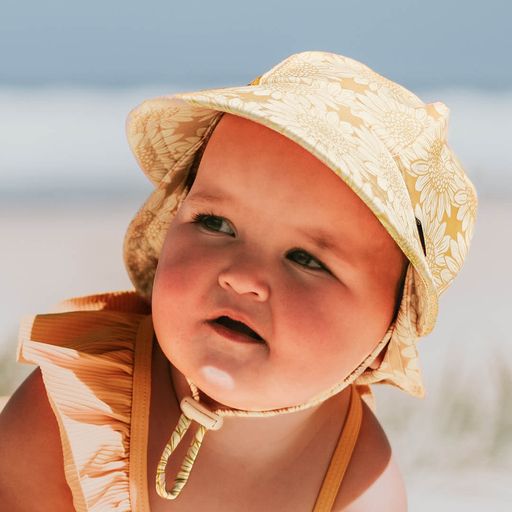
240	327
239	317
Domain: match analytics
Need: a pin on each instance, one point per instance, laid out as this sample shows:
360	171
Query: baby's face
242	242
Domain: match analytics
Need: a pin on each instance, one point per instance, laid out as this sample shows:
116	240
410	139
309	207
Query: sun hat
385	143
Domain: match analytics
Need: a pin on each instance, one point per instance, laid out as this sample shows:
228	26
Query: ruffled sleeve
87	359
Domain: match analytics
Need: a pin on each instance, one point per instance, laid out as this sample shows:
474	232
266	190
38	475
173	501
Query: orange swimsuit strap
342	455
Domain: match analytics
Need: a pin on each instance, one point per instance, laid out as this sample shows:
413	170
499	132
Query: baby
300	234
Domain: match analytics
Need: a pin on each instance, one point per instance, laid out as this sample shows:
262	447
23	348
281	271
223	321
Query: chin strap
208	420
193	409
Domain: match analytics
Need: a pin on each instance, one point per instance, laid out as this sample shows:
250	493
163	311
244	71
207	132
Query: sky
124	43
71	71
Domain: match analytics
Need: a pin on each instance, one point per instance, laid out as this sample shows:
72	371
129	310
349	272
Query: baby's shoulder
373	476
31	466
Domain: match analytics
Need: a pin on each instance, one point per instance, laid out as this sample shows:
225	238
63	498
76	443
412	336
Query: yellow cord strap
208	420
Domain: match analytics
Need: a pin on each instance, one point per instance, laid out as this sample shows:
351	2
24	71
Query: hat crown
309	67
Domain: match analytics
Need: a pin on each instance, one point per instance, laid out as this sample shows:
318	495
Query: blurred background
69	74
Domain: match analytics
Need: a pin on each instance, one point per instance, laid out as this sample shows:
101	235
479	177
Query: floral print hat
385	143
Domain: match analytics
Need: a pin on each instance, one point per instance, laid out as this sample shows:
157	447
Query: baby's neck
275	440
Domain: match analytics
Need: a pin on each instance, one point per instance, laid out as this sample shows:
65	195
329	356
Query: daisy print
437	178
467	202
437	243
307	66
331	136
388	183
162	126
396	124
454	262
329	93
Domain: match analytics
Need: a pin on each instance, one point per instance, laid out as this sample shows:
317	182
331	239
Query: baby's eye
305	257
209	221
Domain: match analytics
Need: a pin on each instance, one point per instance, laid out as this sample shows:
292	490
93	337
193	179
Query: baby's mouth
235	325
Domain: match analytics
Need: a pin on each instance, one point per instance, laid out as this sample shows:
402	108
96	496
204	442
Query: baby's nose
245	279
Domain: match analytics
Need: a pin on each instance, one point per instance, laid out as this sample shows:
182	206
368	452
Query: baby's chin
218	390
224	384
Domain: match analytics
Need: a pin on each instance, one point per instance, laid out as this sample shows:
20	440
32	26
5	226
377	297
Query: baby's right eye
210	221
319	266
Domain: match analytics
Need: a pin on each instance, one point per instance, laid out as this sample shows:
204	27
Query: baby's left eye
306	257
209	221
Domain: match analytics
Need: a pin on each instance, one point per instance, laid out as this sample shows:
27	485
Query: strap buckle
194	410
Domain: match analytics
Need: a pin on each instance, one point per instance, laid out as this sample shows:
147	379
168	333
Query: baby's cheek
175	279
321	339
309	316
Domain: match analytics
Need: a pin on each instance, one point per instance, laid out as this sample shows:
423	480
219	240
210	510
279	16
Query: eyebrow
209	197
320	238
